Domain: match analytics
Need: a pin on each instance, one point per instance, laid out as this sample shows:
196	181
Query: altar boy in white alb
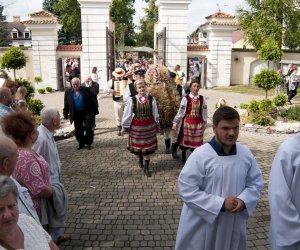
284	198
220	185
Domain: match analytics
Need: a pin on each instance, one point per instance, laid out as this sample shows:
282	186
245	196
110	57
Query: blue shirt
78	101
4	110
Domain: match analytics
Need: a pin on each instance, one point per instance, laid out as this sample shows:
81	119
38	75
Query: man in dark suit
94	87
80	107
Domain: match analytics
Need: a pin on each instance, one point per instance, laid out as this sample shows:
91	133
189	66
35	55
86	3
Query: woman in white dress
19	231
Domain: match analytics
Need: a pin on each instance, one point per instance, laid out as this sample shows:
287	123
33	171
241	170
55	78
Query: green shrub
244	106
35	106
280	100
49	89
41	91
253	106
265	105
266	79
38	120
260	118
27	84
292	113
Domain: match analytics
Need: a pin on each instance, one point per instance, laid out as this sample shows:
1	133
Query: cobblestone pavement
112	205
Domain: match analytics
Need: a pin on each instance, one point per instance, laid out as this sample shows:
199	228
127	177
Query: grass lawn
245	89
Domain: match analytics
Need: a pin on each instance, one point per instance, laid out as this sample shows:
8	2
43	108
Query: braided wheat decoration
158	85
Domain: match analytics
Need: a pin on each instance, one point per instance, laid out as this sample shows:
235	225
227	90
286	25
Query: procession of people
220	182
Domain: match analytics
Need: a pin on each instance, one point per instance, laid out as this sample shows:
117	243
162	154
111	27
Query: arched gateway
96	34
98	40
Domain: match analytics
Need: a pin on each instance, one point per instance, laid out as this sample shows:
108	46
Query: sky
198	9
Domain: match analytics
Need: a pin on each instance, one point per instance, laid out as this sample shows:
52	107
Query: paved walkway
112	205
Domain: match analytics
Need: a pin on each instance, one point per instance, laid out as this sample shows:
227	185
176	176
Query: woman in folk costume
141	118
193	117
162	87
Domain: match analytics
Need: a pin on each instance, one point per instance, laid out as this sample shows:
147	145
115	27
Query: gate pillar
44	27
94	21
173	16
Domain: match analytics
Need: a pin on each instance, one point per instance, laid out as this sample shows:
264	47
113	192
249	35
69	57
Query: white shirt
128	112
35	237
182	109
25	203
46	147
204	183
284	199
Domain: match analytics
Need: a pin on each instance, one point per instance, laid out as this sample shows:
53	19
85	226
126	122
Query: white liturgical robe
284	196
204	183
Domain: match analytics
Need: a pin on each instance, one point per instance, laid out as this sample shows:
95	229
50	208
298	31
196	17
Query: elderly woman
19	231
31	170
141	118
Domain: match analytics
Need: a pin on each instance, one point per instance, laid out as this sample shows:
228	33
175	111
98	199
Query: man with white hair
80	108
46	147
94	88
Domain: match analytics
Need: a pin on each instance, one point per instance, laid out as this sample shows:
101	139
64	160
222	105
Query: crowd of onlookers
30	175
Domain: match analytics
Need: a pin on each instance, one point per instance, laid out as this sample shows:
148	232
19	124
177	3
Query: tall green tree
278	19
269	51
121	13
68	12
49	6
5	38
64	37
13	59
146	35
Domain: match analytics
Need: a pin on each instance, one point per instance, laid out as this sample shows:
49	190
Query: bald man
8	159
5	101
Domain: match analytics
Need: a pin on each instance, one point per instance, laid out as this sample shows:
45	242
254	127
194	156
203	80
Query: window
14	35
26	35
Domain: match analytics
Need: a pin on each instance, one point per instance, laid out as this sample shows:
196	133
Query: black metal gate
161	43
110	52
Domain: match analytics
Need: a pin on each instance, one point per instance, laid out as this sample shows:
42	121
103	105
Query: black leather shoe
80	147
89	147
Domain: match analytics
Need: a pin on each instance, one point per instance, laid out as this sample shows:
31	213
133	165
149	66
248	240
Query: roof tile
69	48
197	48
220	14
220	23
42	13
40	22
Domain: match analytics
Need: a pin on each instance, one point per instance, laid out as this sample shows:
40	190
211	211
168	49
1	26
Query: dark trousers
292	94
83	124
179	90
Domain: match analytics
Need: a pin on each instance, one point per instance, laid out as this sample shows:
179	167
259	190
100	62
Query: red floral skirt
142	136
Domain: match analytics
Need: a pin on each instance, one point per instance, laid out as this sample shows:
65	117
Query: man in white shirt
284	199
118	99
46	147
220	185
